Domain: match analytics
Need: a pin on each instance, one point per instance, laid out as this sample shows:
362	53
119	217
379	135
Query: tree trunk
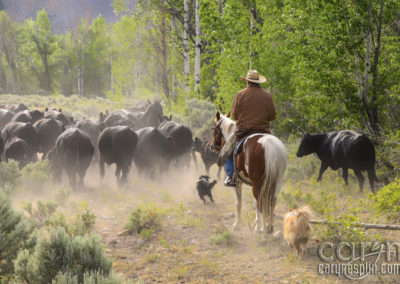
221	8
198	48
1	69
164	53
111	75
186	69
366	226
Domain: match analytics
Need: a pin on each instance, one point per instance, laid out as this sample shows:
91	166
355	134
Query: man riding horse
252	109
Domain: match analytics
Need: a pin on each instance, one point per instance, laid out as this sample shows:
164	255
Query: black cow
204	187
140	108
5	117
25	131
28	116
92	128
16	149
117	144
17	107
208	156
152	116
58	115
48	130
183	138
154	151
344	149
73	153
120	117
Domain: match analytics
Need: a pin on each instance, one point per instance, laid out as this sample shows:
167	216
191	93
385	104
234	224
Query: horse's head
219	126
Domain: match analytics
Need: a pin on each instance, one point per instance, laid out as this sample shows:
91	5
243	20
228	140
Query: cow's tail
77	149
370	148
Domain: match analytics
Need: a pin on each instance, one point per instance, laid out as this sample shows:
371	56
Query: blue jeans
229	166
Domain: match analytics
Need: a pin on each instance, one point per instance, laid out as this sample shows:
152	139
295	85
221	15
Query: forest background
330	65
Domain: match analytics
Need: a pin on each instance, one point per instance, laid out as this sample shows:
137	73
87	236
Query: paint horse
261	164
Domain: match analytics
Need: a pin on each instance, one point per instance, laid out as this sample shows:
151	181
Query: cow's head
218	140
36	115
306	146
197	144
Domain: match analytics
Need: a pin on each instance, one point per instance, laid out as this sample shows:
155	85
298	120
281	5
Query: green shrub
35	176
62	195
387	200
88	278
9	173
146	219
42	212
84	223
323	203
223	237
62	253
15	233
291	198
342	228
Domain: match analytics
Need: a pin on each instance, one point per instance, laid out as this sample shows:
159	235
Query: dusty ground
182	252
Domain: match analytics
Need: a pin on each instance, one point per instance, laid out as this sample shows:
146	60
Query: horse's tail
275	163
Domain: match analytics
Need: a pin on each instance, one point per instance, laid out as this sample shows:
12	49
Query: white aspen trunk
367	67
198	50
1	69
111	75
173	82
186	69
251	35
79	79
136	79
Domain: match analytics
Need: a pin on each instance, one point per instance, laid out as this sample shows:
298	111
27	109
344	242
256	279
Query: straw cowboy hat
254	77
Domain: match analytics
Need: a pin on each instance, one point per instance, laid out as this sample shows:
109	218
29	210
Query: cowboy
253	109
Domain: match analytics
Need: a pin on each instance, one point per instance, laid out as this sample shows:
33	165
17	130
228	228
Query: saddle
236	152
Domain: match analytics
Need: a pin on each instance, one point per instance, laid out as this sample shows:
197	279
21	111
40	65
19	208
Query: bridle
218	140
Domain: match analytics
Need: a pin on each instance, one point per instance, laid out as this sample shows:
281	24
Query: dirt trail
182	252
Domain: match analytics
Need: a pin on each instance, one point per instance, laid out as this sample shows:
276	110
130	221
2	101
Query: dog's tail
213	183
303	217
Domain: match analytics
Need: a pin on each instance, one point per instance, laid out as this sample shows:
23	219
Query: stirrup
229	182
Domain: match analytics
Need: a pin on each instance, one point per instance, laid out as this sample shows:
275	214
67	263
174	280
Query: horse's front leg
238	191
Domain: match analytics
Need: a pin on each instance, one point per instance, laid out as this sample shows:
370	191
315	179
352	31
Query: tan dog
297	229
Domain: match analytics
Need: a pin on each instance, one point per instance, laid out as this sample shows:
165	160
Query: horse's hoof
235	226
270	230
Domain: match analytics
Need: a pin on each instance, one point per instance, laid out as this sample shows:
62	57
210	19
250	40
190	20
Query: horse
261	164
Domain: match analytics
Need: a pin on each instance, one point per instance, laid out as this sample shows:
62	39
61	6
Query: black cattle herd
145	136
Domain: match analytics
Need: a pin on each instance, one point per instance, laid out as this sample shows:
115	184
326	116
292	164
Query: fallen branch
366	226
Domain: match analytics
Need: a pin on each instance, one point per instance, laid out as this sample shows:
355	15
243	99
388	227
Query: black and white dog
204	187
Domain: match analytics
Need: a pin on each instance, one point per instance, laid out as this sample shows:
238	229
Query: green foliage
145	220
41	214
88	278
84	223
222	236
344	228
387	200
35	176
15	233
62	195
9	173
62	253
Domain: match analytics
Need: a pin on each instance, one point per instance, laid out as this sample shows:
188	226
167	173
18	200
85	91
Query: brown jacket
253	109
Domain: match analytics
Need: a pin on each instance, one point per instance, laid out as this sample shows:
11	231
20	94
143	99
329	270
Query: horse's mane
228	126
